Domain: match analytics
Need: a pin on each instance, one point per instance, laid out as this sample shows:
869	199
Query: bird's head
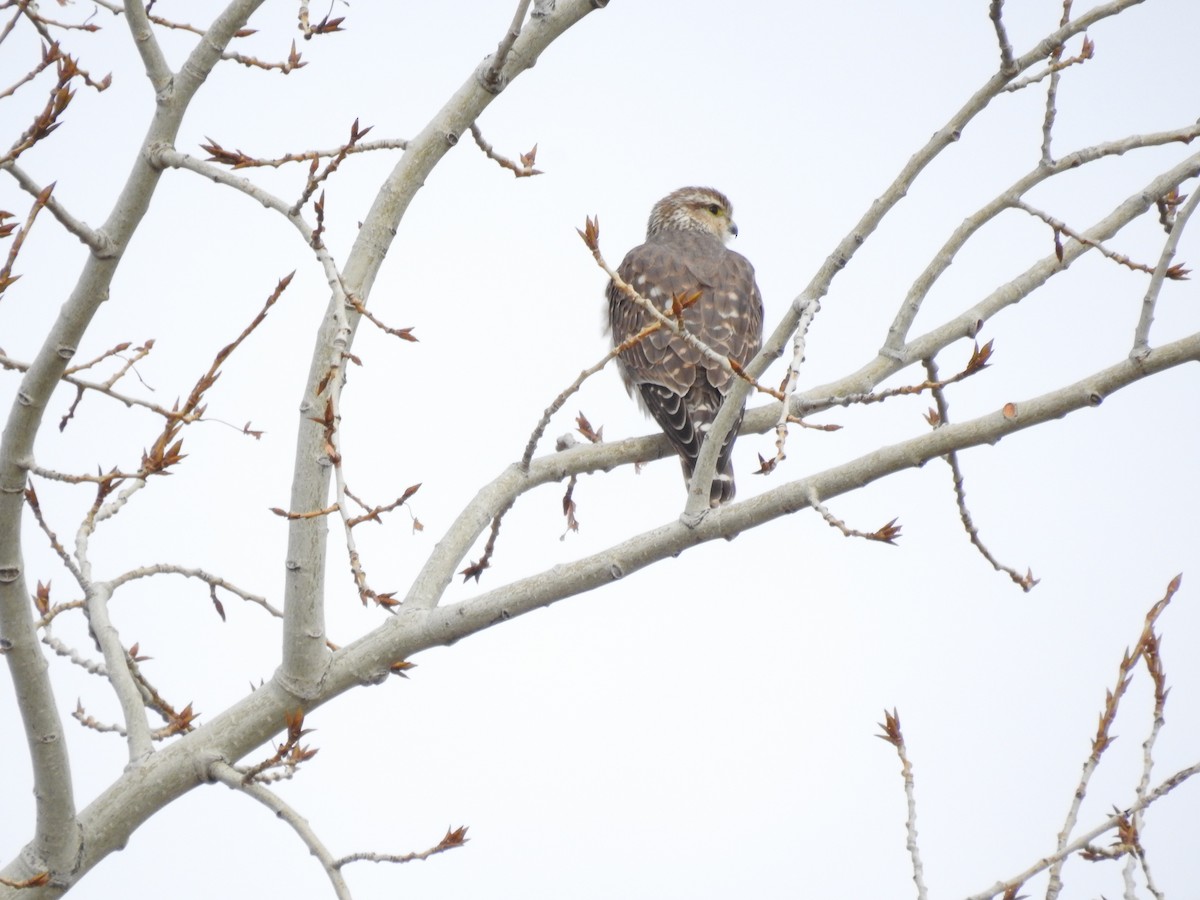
694	209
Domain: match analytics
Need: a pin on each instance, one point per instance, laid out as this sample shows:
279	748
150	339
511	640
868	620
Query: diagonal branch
419	625
1141	335
492	77
304	654
95	240
898	331
894	357
845	250
56	843
233	779
1026	582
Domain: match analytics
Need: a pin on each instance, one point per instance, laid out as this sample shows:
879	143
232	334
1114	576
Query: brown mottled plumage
679	386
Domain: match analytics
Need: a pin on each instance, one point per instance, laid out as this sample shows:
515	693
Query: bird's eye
714	209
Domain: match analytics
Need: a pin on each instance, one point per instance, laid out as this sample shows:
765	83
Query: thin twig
1176	272
80	715
491	77
811	307
1026	581
19	240
1147	643
16	365
330	420
475	569
1150	646
454	838
522	169
886	535
288	755
996	13
316	179
1052	89
1086	839
1086	52
1124	820
231	778
574	386
893	735
977	363
921	286
31	500
213	581
73	656
1178	222
237	159
139	354
405	334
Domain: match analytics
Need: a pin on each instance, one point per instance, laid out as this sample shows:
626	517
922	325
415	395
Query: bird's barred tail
703	404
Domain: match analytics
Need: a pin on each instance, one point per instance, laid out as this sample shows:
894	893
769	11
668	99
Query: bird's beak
733	228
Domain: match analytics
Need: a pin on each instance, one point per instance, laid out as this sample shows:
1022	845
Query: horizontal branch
447	555
420	625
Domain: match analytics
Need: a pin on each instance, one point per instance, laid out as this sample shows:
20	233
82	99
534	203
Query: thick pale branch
967	323
419	626
137	728
55	845
157	69
249	723
818	286
304	651
898	331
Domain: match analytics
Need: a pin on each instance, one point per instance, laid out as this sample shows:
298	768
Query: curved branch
305	655
133	710
56	842
419	627
440	566
173	771
107	822
966	323
941	261
818	286
233	779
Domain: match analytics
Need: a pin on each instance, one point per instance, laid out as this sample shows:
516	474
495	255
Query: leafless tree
183	752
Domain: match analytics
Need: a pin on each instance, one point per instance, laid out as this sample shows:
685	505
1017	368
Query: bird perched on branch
685	270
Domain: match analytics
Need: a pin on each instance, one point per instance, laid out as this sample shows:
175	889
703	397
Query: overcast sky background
704	729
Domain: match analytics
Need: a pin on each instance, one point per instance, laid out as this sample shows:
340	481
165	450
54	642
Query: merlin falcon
685	257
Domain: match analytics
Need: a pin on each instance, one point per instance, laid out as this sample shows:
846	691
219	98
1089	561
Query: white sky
704	729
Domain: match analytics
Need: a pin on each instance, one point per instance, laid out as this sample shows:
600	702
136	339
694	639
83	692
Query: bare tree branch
1141	336
96	241
894	736
304	654
232	779
56	843
67	843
